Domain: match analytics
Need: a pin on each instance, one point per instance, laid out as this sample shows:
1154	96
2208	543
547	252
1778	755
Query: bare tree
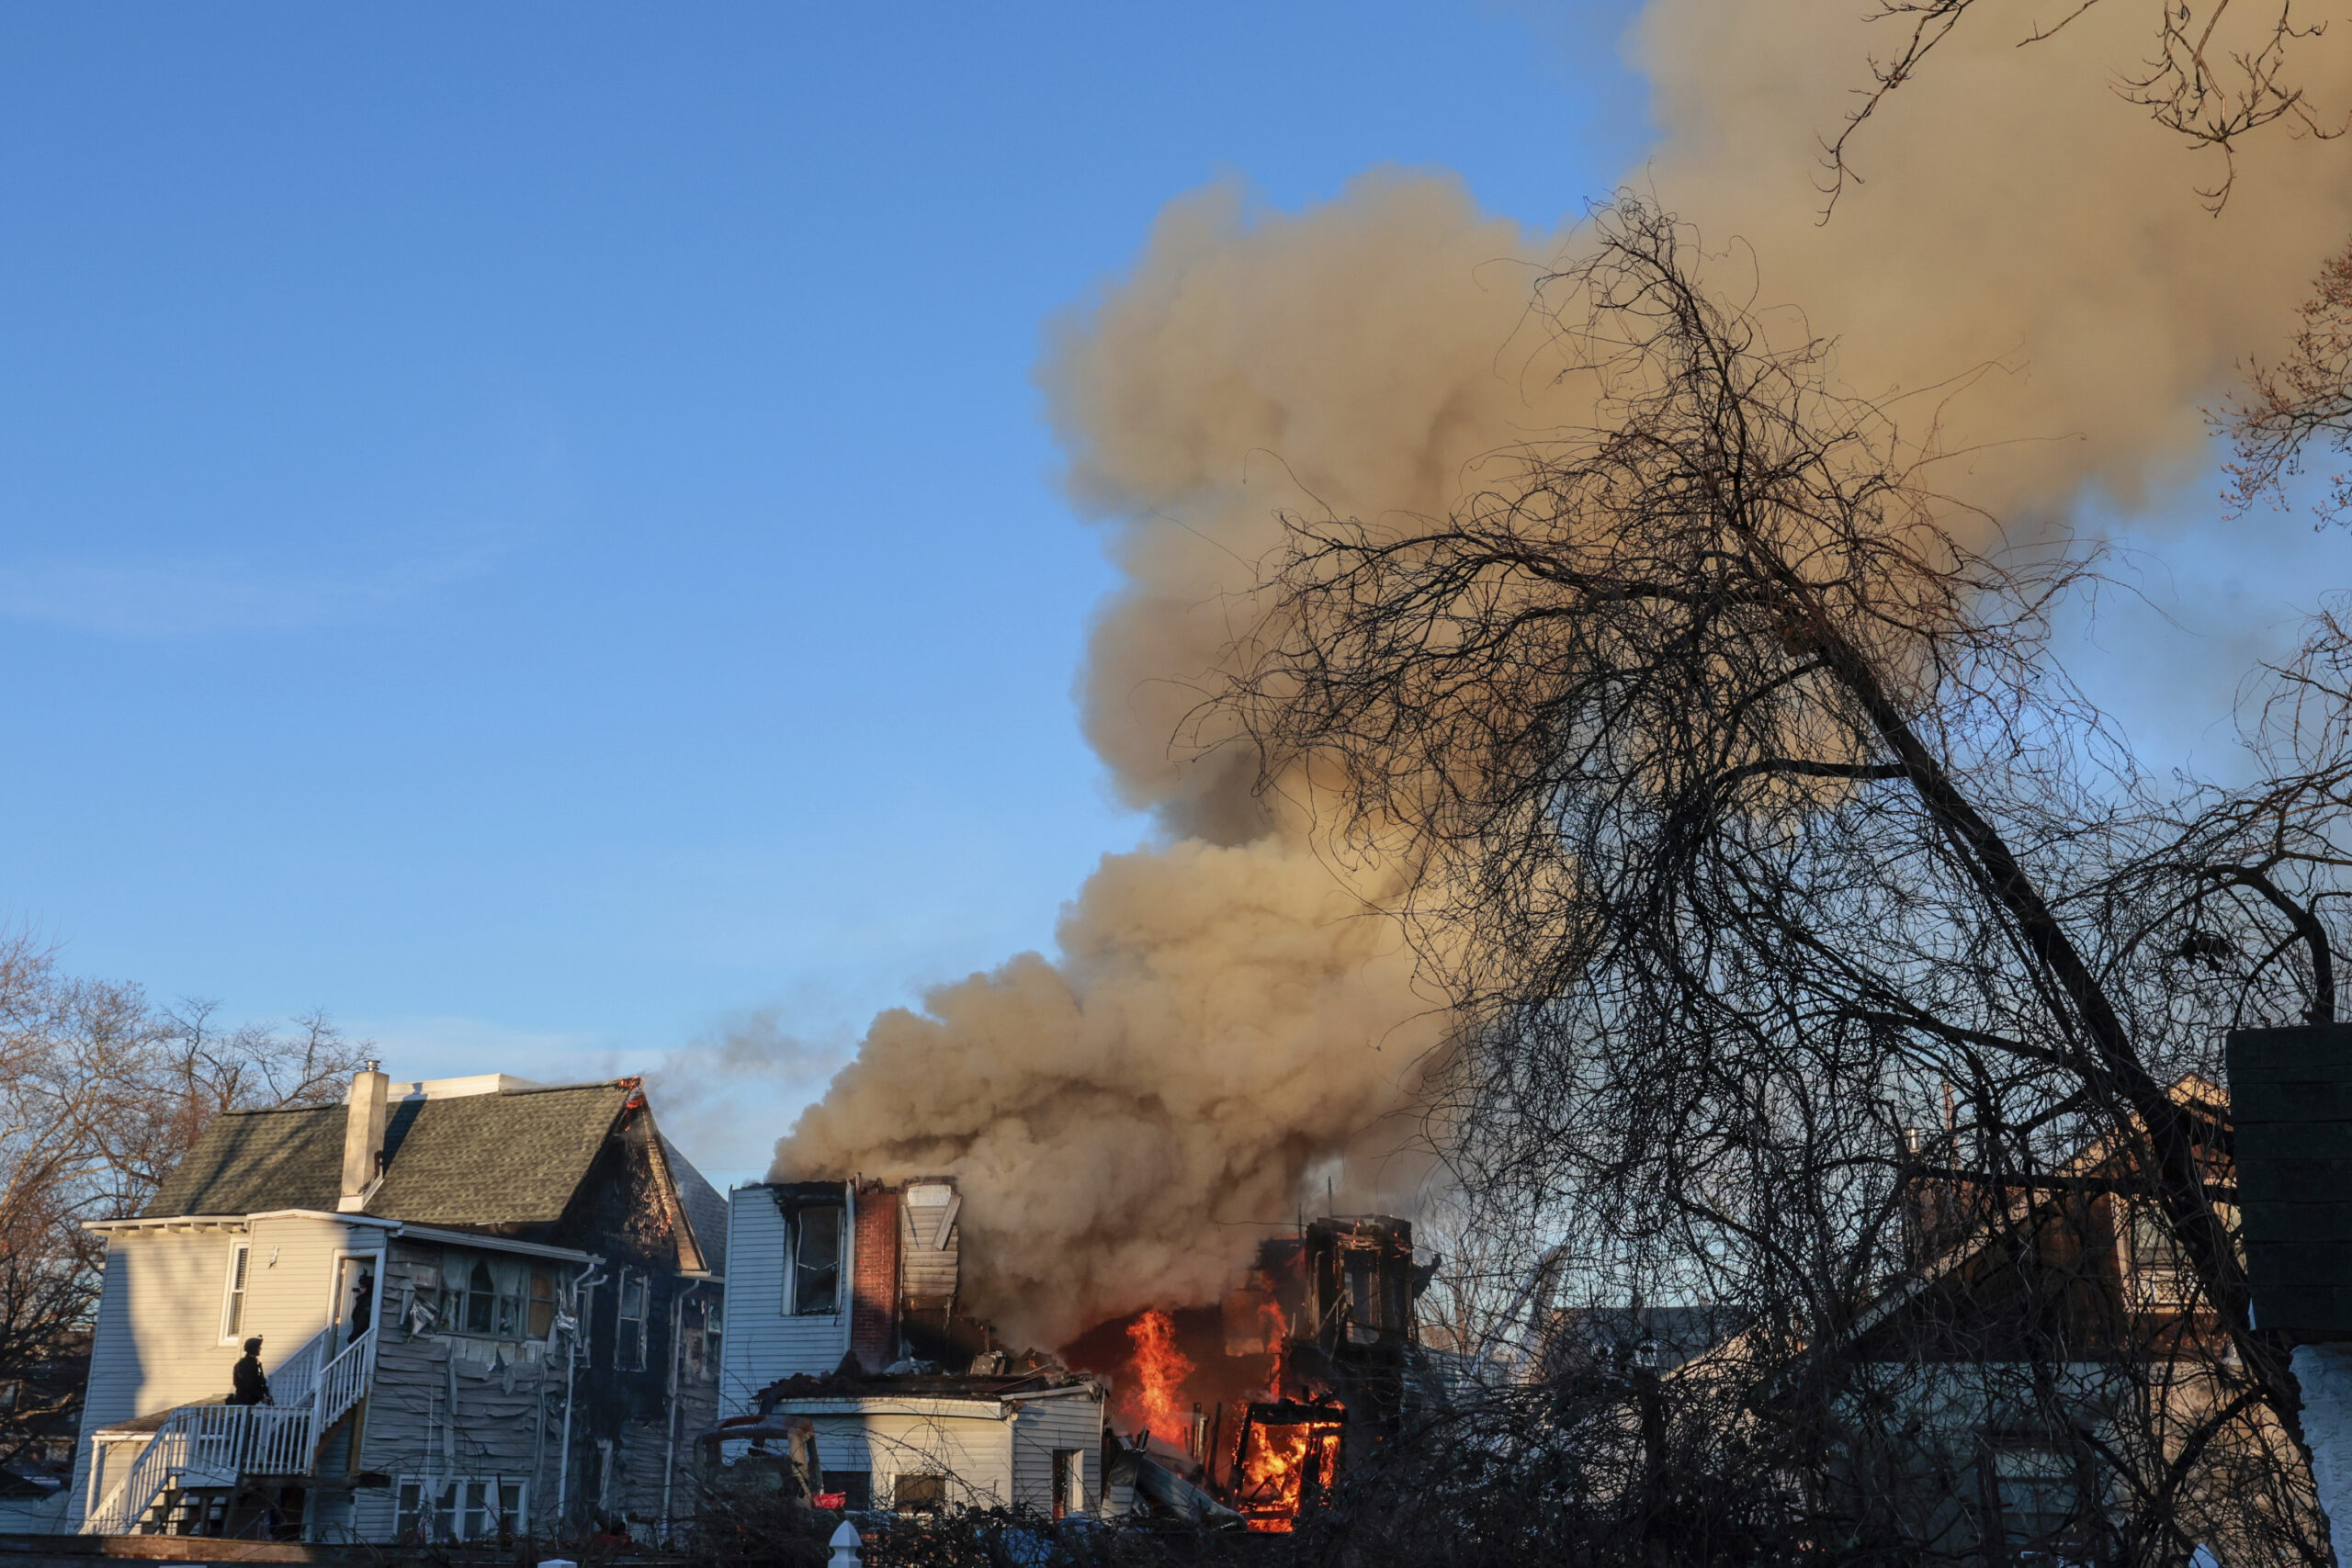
2212	77
1818	952
101	1094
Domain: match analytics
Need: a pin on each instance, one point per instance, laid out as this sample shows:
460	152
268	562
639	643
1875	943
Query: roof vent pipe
363	1139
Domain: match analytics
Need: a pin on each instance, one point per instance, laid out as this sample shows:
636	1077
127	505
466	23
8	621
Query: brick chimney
873	1283
363	1139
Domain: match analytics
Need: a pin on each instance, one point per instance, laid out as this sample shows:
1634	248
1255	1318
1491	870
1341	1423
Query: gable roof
249	1162
485	1159
705	1210
494	1158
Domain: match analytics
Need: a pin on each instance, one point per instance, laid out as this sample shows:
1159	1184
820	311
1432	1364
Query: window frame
930	1481
630	1349
793	1233
496	1506
1069	1491
234	1291
485	1294
2067	1468
540	1311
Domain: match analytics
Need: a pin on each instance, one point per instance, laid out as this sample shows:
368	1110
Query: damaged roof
515	1157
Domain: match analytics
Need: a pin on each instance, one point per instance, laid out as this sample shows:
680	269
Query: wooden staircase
213	1469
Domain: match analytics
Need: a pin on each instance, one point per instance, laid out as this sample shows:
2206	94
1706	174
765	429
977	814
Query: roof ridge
553	1088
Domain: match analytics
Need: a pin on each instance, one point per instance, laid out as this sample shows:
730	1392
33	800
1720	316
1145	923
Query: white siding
974	1451
158	1341
1062	1421
764	1342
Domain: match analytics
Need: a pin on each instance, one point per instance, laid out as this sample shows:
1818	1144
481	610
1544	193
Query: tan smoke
1224	1016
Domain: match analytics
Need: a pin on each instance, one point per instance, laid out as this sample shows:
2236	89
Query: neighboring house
1985	1452
845	1311
40	1411
488	1308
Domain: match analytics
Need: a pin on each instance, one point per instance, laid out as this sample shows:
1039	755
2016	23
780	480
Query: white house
488	1308
844	1308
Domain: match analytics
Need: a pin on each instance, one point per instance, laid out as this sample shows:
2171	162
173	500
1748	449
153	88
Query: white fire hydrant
844	1543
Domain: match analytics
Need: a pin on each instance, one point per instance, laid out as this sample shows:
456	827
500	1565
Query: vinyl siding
974	1451
454	1404
1063	1421
764	1342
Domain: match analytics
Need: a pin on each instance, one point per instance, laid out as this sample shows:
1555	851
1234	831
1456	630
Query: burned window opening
813	1278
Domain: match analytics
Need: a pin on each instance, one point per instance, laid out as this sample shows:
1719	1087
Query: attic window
813	1282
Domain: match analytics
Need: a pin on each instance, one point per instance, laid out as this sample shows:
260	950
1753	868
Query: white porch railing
218	1445
299	1374
343	1382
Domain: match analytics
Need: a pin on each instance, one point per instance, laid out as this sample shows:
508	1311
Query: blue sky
529	527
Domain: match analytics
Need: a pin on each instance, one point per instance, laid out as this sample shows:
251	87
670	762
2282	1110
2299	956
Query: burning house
852	1359
1308	1373
848	1329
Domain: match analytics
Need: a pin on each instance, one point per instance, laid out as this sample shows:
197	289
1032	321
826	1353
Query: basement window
813	1282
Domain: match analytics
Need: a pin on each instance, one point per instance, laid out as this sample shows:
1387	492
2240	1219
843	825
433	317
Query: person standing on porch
251	1384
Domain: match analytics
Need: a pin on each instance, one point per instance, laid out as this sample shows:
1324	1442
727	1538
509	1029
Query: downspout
539	1431
580	1288
677	1352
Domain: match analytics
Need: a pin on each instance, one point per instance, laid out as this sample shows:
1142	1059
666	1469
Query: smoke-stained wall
1227	1013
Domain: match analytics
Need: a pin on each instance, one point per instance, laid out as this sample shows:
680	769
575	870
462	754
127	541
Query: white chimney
363	1139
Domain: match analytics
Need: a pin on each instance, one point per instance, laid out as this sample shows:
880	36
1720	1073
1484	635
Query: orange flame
1274	1472
1276	1330
1160	1371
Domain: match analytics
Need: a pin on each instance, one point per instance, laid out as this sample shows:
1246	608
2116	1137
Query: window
714	1340
2157	1272
629	1340
464	1507
2038	1488
232	1316
698	1326
812	1283
918	1493
482	1299
1070	1481
486	1295
541	1321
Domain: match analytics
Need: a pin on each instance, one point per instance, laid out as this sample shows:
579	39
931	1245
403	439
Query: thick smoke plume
1226	1015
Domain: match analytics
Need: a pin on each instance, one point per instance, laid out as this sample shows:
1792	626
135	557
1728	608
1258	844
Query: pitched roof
705	1210
249	1162
494	1158
485	1159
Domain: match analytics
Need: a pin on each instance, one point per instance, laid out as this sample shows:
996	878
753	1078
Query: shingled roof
482	1159
249	1162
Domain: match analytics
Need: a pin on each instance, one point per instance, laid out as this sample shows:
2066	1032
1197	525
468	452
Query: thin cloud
164	596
